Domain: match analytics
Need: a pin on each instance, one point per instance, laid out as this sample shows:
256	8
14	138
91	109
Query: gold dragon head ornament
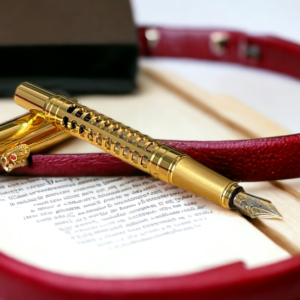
15	157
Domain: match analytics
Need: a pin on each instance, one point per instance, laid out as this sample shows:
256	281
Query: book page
127	227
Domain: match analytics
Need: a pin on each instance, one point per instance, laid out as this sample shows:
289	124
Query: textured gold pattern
113	137
15	157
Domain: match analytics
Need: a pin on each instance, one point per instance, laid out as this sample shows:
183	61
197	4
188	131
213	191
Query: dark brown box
81	46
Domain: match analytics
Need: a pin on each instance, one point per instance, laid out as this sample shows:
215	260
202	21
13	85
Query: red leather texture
274	54
244	160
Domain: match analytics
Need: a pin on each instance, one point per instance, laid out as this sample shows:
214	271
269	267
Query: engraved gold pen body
140	150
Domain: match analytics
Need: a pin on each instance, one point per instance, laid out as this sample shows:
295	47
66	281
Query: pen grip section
203	181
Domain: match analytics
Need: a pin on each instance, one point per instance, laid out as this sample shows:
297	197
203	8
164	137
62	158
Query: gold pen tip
255	207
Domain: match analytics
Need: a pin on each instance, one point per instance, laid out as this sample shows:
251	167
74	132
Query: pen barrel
129	145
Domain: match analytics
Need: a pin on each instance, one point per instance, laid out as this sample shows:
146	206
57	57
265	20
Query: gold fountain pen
141	151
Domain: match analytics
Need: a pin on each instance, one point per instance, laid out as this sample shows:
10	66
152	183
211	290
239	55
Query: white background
276	96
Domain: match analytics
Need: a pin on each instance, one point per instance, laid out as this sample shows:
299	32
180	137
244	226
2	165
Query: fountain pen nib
255	207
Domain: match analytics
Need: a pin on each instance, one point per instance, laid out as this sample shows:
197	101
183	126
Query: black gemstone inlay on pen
79	114
71	109
115	129
73	124
65	121
81	129
87	117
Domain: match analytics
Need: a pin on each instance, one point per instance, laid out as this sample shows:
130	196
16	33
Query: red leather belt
244	160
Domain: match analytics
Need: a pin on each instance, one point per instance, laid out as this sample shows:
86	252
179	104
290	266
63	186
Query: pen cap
32	97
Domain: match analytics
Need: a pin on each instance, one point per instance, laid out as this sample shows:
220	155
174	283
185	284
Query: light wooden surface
229	111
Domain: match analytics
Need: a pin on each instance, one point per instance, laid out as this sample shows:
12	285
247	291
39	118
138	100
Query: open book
135	227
